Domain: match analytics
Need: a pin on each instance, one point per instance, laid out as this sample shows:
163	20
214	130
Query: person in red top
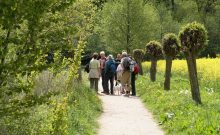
134	71
102	68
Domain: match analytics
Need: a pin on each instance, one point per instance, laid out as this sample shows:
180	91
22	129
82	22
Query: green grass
85	107
69	112
175	110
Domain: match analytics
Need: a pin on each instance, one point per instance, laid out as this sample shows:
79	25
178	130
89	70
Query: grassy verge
68	112
175	110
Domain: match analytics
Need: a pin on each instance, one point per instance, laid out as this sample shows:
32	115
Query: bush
171	45
154	49
66	112
193	37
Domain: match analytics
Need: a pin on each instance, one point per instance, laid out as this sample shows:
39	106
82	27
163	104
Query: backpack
136	69
87	68
126	63
113	68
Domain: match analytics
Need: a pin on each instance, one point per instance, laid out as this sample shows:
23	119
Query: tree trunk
153	69
194	63
193	78
128	36
140	66
168	73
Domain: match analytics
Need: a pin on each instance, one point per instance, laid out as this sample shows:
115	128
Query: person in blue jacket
110	69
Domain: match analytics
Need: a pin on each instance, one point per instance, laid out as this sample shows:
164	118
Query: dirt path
126	116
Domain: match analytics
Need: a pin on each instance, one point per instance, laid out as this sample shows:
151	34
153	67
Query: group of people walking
122	70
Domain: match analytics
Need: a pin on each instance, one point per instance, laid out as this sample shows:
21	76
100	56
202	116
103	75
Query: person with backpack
126	75
110	70
94	72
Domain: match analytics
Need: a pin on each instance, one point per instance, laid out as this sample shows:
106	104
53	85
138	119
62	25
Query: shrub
64	111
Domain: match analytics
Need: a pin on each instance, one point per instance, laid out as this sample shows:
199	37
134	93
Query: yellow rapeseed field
208	69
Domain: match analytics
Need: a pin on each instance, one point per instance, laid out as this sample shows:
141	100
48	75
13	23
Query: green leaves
154	49
193	37
29	30
171	45
124	25
138	54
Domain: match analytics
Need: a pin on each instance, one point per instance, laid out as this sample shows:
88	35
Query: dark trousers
94	83
133	89
103	80
109	77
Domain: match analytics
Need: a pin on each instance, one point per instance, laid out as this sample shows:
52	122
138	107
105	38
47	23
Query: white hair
102	52
110	57
124	54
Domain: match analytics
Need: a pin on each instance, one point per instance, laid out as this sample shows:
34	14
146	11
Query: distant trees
152	19
193	38
124	25
171	48
154	50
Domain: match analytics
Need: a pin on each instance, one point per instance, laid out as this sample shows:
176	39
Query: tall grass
67	112
175	110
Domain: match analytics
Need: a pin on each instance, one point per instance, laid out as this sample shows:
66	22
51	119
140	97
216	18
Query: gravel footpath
126	116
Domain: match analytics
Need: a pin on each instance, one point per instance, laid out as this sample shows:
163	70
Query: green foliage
84	113
171	45
161	17
28	31
193	37
24	43
70	111
154	49
175	111
138	54
125	24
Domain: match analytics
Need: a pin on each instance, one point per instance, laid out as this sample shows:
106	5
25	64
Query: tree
31	29
138	55
193	38
171	48
208	11
124	25
23	25
154	50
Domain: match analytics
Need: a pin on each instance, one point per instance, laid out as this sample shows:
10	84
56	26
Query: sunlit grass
175	110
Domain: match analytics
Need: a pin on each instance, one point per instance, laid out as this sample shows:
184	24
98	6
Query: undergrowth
72	111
